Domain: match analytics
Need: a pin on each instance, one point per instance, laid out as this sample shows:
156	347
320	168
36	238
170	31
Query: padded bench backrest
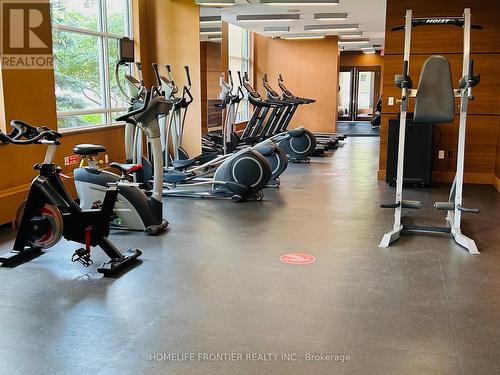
435	100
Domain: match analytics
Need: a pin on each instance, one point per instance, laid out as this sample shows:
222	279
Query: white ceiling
368	14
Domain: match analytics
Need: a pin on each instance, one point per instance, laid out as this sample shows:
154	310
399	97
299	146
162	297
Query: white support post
456	216
405	96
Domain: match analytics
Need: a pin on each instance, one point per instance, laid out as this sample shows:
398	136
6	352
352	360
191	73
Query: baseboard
469	177
496	183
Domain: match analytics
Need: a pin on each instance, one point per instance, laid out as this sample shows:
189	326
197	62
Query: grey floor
358	129
214	284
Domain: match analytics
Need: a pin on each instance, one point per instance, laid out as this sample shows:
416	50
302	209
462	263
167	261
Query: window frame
103	38
249	62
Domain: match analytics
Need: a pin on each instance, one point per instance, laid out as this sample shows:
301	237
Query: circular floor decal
297	258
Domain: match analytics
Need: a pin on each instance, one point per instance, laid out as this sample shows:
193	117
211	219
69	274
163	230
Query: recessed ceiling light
210	20
211	31
330	16
299	2
215	3
357	41
267	17
339	27
302	36
276	29
350	35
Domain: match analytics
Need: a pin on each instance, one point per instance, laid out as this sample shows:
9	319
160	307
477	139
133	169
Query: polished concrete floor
358	129
214	284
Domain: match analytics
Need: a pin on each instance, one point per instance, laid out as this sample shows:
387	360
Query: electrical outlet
391	100
106	158
441	154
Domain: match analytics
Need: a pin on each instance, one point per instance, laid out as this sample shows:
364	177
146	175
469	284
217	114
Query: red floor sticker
331	174
297	258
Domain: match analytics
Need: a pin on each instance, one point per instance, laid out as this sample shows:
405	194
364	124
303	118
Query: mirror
211	41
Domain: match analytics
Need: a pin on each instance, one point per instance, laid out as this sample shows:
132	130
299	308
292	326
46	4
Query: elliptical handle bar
231	81
187	92
33	134
241	79
188	75
169	73
126	116
157	74
139	72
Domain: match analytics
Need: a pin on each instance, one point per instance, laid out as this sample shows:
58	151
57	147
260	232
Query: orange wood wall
173	37
38	106
310	69
484	113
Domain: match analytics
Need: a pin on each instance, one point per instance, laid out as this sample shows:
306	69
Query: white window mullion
103	39
105	59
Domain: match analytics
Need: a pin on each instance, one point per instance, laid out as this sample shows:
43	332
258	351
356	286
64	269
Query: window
85	37
240	61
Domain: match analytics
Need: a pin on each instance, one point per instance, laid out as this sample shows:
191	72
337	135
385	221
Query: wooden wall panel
483	139
172	28
310	69
443	39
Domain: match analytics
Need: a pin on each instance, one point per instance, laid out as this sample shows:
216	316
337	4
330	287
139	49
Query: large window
85	34
240	61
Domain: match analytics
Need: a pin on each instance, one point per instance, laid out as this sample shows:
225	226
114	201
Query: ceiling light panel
215	3
302	36
299	2
330	16
267	17
210	20
333	27
276	29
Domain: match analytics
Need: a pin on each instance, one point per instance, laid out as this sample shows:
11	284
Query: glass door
359	92
345	94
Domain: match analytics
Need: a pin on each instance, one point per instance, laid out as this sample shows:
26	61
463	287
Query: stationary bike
50	212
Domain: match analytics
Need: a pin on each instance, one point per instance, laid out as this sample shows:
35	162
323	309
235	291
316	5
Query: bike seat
127	168
88	149
180	164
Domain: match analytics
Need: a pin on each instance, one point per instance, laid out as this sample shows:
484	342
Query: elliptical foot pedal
15	258
118	266
157	229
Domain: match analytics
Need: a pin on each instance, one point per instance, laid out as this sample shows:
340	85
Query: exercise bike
50	212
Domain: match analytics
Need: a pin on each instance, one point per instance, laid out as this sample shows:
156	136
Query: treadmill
322	137
289	107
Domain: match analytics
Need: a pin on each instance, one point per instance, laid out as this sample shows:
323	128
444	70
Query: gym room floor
214	284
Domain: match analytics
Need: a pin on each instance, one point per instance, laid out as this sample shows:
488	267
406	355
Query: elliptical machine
134	209
172	126
49	213
228	141
298	144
